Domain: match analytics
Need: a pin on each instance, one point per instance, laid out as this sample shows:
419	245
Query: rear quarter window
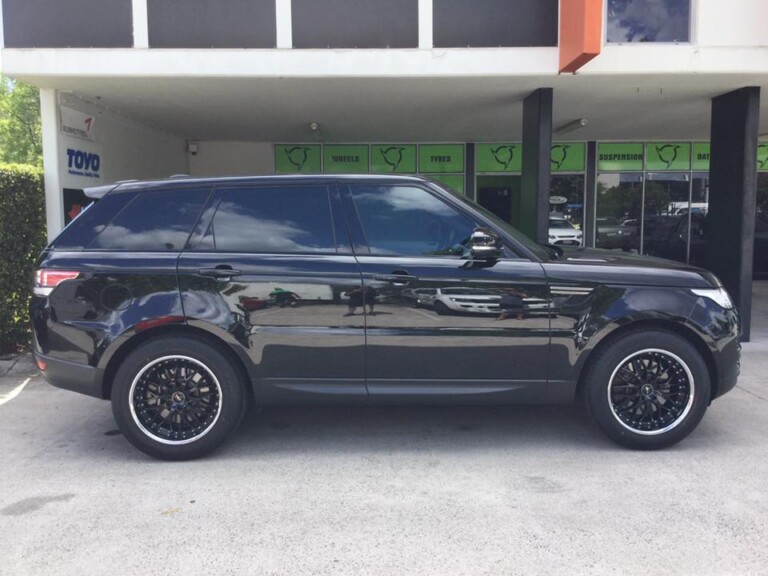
83	229
158	220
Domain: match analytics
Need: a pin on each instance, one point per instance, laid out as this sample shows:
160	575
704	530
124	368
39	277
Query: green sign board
762	157
393	158
297	159
345	159
564	157
453	181
567	157
663	156
498	158
441	158
612	157
701	156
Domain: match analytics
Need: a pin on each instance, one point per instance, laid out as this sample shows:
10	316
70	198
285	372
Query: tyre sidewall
233	398
608	360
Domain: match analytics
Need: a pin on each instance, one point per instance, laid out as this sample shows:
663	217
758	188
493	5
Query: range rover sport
183	301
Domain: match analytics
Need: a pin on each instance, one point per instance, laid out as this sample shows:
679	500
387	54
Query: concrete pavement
386	491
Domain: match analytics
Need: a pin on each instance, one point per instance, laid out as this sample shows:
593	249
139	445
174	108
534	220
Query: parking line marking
13	393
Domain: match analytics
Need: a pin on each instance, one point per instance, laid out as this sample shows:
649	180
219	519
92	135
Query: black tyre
177	398
441	308
648	390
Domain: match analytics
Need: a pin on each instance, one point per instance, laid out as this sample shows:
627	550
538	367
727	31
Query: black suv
184	300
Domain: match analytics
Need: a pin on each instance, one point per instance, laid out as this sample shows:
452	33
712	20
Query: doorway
501	196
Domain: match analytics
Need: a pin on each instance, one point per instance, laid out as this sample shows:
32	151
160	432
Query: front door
271	269
436	324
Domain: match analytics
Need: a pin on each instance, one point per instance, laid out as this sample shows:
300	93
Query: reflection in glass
404	220
155	221
761	228
272	220
666	218
570	187
618	211
648	21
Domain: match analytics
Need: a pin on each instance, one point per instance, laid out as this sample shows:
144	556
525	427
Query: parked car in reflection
607	231
562	231
669	241
459	299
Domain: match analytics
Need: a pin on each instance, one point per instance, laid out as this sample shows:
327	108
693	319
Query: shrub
22	237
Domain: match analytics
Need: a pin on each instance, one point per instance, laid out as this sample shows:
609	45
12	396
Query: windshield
537	249
560	223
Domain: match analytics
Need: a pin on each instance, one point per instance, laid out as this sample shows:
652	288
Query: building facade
620	147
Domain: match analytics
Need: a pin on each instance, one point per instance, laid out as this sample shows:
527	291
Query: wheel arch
677	328
139	338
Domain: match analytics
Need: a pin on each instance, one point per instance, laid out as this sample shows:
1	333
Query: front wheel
648	390
177	398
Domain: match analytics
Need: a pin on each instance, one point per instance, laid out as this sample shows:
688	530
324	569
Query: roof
100	191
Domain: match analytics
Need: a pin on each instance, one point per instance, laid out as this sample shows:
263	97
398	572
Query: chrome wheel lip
155	437
683	414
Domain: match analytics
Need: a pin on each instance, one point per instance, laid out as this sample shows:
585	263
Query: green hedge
22	237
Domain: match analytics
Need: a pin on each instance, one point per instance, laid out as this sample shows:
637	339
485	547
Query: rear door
270	268
437	324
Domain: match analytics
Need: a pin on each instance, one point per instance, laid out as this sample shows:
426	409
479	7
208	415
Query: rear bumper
71	376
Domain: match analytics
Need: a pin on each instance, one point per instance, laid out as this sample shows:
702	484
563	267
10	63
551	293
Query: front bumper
728	367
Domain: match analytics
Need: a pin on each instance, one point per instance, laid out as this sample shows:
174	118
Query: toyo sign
83	163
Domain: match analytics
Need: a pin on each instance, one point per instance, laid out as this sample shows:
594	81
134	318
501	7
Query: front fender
579	322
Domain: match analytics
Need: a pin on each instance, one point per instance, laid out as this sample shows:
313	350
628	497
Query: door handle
396	279
220	272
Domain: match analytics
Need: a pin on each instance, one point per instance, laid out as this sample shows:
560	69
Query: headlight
718	295
552	237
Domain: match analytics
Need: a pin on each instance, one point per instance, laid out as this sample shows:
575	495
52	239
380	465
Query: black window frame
338	225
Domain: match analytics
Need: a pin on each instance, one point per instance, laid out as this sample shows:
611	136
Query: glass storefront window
618	211
761	228
666	215
571	188
648	21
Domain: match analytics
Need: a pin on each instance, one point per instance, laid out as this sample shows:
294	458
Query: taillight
47	279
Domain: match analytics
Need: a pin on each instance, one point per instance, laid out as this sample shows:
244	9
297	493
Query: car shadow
371	429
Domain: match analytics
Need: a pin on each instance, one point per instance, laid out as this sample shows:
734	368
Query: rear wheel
177	398
648	390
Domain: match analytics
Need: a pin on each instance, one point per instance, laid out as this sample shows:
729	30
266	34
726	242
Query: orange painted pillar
581	32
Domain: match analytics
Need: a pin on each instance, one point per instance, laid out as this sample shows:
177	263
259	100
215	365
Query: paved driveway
385	491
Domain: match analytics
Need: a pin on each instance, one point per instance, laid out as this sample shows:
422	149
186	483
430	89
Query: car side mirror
485	245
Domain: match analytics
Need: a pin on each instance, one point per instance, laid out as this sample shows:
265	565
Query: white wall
126	149
731	23
232	159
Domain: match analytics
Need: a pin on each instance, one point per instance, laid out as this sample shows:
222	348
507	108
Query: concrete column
730	224
284	23
535	181
54	197
140	24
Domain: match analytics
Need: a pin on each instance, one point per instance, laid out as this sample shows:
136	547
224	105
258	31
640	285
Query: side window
409	221
158	220
275	219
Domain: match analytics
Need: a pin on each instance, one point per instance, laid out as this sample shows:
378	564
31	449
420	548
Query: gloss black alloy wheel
651	391
648	388
175	400
178	397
